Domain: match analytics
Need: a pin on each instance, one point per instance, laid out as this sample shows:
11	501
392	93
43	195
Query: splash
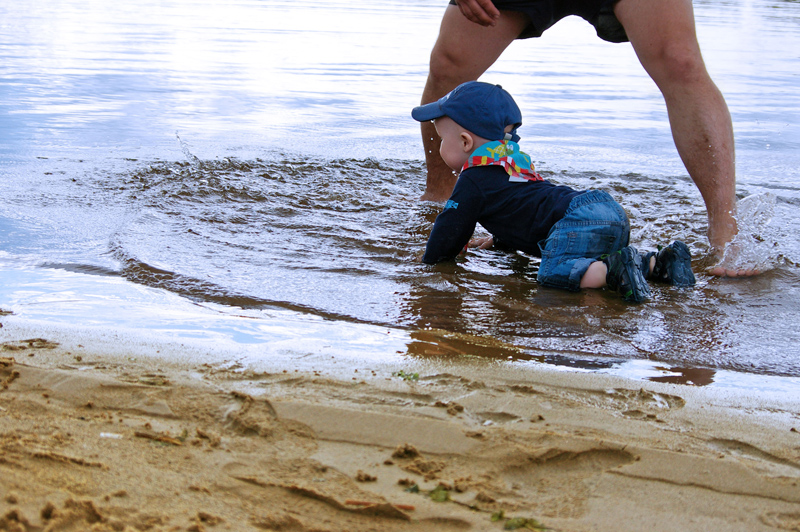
187	152
756	247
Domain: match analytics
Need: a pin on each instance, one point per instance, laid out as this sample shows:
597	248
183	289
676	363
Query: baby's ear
467	142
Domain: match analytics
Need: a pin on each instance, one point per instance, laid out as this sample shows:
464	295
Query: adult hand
481	12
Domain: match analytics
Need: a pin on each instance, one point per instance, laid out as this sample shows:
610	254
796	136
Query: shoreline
113	432
112	312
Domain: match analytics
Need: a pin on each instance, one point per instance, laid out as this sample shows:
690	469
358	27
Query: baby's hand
481	243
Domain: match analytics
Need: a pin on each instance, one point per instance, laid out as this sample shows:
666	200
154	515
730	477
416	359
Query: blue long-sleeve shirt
517	214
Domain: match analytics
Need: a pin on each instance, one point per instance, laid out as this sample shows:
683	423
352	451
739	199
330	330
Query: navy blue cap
481	108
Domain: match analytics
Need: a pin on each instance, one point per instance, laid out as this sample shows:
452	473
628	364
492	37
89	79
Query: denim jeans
593	225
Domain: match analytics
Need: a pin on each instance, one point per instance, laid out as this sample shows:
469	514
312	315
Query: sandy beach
212	317
92	440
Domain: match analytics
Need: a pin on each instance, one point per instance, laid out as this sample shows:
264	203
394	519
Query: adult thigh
464	50
663	36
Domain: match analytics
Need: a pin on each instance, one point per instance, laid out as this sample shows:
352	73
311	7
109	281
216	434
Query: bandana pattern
505	153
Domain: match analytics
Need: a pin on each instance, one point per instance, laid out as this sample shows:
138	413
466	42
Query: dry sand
98	441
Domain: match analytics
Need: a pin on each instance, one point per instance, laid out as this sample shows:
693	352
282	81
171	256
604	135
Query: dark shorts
544	13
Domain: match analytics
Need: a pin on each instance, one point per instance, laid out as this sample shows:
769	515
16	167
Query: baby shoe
673	265
625	274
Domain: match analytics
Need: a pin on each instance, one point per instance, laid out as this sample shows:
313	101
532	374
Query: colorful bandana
505	153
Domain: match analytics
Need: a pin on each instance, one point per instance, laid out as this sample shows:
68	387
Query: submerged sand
93	440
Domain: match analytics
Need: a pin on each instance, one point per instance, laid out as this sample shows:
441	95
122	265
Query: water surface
261	156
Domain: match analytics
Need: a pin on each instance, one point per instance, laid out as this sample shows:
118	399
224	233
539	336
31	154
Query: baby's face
453	149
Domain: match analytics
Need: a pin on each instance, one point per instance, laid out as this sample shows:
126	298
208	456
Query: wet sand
160	145
98	440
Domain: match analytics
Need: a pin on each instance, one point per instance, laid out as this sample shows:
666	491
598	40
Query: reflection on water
261	156
693	376
340	239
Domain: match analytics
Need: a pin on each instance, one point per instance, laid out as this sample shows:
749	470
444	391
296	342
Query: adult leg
663	36
463	51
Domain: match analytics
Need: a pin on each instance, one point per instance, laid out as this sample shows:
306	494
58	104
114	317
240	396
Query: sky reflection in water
261	155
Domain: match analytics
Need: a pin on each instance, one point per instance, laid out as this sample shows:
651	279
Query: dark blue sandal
674	265
625	274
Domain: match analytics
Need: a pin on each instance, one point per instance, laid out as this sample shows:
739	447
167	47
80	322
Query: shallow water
261	156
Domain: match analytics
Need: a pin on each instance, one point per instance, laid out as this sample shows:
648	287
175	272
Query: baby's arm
454	226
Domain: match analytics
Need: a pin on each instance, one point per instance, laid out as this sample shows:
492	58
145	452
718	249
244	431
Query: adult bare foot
721	270
441	179
436	195
735	254
439	184
733	262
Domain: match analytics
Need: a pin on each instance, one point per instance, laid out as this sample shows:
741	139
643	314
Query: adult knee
678	64
448	70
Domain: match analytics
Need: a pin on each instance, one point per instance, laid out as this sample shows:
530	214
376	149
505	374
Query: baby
581	236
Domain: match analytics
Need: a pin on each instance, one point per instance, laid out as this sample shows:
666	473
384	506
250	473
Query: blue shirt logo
450	205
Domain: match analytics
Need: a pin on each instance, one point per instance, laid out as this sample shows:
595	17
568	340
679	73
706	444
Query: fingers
481	12
720	271
481	243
